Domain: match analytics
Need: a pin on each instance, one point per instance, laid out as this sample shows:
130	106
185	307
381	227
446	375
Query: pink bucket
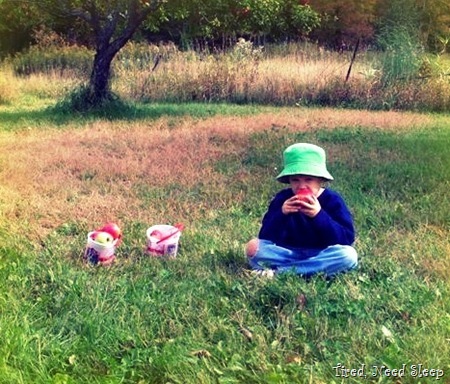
162	240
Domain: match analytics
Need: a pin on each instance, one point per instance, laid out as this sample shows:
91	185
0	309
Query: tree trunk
112	30
99	84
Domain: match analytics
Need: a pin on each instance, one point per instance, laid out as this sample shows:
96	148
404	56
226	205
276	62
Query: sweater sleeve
334	222
274	221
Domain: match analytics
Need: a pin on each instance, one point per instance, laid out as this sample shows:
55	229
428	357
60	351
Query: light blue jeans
306	262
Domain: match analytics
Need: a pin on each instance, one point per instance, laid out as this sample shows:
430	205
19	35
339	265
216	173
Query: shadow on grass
53	115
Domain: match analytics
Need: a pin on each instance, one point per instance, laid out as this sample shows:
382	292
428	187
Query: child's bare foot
252	247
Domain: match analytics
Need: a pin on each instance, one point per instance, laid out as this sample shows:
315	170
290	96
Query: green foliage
336	23
227	20
304	19
17	20
279	20
343	22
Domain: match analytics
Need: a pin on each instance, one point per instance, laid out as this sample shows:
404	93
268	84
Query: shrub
399	39
81	100
402	59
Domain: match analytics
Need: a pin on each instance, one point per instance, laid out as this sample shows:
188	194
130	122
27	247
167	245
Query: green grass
201	319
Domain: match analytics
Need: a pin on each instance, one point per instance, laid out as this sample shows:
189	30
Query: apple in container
113	229
102	237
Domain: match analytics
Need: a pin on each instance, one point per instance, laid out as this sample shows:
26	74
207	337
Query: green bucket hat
304	159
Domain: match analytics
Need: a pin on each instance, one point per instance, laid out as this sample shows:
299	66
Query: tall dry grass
8	89
245	74
37	86
284	75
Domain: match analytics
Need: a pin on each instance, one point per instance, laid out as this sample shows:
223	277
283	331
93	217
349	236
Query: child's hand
291	205
309	205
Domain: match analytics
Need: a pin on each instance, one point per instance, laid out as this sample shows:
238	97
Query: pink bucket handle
179	227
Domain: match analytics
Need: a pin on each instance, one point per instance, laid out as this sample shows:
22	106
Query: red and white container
163	239
99	253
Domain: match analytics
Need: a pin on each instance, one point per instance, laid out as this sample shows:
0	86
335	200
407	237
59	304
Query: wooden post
351	62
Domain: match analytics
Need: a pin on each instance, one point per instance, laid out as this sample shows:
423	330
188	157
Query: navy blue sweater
332	225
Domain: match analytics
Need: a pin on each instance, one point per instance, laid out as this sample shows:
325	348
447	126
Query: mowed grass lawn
202	318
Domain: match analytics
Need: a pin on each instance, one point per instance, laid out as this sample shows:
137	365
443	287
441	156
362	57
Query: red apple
304	193
113	229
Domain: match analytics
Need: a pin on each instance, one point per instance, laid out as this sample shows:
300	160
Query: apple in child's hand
304	193
113	229
102	237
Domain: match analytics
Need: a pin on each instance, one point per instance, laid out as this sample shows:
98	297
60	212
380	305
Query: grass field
201	318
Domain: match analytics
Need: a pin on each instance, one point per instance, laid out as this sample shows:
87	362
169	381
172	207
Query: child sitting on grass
307	228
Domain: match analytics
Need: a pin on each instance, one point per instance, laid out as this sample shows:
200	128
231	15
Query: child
307	228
